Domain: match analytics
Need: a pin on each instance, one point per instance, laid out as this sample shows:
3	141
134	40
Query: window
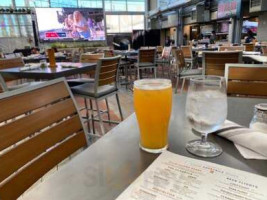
15	25
7	3
90	3
115	5
63	3
136	5
112	23
31	3
124	23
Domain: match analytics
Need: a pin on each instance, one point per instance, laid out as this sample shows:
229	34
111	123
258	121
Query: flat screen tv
250	25
70	24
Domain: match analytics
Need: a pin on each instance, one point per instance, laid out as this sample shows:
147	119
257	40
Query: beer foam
152	84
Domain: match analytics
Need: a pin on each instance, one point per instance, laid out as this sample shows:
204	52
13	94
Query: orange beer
153	103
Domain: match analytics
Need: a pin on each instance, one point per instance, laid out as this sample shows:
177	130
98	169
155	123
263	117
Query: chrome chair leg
119	106
176	85
155	72
108	110
182	88
92	115
87	114
100	118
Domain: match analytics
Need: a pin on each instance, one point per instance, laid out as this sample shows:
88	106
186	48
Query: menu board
175	177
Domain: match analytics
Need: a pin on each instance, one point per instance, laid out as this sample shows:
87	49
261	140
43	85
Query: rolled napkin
251	144
30	67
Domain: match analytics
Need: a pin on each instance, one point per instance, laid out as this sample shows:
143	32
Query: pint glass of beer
153	103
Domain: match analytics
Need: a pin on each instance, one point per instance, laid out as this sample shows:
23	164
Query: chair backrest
249	47
147	55
166	53
187	51
179	58
214	62
231	48
40	126
108	53
159	49
264	50
106	72
91	58
11	62
3	86
246	79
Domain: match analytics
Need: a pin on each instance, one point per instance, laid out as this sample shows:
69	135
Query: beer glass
153	103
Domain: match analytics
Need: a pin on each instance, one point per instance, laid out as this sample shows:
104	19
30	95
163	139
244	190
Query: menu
175	177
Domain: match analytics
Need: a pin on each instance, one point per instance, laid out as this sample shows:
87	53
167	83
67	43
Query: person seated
250	38
35	50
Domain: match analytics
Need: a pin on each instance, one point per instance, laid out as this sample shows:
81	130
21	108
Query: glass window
115	5
112	23
138	22
7	3
90	3
36	3
63	3
136	5
125	23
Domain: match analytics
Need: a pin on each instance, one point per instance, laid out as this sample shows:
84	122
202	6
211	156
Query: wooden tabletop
50	73
110	165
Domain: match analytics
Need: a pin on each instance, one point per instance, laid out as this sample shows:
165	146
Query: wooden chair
183	71
104	86
165	59
108	53
231	48
214	62
264	50
7	63
146	60
86	58
249	47
32	144
246	79
188	55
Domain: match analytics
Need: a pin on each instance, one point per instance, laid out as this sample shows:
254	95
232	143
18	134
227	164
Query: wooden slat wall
250	81
45	130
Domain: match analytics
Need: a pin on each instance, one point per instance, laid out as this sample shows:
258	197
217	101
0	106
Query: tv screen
69	24
249	25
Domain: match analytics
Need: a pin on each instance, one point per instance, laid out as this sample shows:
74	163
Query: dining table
257	58
37	58
62	69
107	167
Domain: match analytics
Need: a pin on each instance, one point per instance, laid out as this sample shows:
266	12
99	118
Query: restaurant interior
133	99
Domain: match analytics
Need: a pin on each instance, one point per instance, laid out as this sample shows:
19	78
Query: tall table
49	73
107	167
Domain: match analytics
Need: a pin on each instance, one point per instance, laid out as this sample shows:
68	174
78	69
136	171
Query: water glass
206	111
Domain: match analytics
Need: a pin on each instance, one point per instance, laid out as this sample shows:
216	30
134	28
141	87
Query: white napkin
251	144
30	67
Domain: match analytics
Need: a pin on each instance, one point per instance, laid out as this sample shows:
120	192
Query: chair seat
191	72
79	81
146	64
88	89
162	61
28	84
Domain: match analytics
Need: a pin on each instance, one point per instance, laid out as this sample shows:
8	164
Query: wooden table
106	168
49	73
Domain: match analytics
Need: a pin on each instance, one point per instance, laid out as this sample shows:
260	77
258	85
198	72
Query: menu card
175	177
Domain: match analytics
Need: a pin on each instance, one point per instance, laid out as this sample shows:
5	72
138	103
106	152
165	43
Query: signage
228	8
